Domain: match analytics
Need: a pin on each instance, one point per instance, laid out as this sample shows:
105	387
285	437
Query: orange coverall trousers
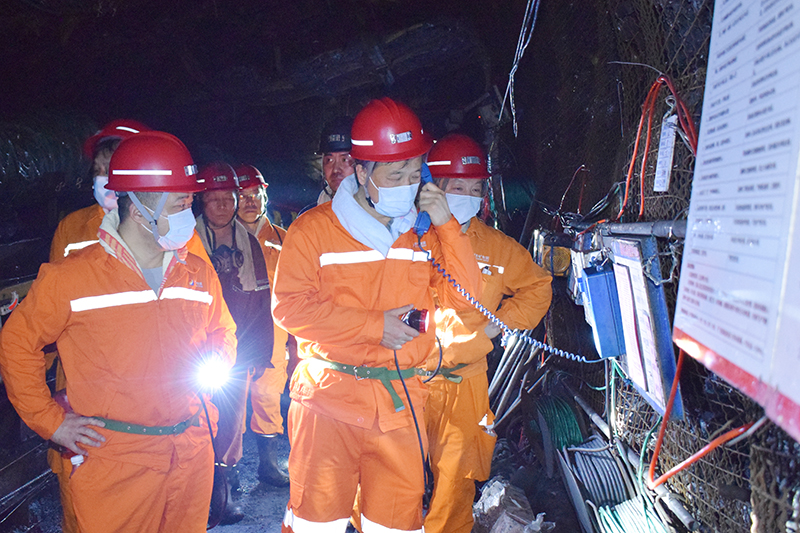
460	450
328	460
139	499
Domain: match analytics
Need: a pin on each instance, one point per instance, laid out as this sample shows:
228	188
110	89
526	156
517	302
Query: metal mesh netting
747	487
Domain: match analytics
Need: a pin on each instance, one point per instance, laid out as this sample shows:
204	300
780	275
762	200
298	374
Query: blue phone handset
423	222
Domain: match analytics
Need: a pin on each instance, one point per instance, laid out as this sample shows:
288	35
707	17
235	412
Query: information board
649	359
738	308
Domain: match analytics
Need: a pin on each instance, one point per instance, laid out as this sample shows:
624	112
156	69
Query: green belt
382	374
136	429
448	373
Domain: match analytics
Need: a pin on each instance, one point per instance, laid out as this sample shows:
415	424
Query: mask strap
369	167
366	190
151	219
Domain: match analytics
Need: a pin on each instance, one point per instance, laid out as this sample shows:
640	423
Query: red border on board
779	408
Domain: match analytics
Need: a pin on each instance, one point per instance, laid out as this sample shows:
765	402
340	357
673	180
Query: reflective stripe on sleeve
71	247
112	300
370	256
182	293
367	526
298	525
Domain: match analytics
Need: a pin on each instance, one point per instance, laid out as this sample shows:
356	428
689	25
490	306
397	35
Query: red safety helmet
153	161
386	131
218	176
457	156
116	129
249	176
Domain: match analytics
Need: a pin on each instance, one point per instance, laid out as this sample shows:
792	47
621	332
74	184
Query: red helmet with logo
386	131
457	156
116	129
153	161
249	176
218	176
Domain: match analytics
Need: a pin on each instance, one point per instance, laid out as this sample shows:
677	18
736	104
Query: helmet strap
152	219
369	167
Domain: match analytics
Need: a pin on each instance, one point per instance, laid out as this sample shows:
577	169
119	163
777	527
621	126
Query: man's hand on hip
75	430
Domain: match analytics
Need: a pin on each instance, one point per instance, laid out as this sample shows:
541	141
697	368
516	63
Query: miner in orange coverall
457	416
136	319
348	271
79	230
266	388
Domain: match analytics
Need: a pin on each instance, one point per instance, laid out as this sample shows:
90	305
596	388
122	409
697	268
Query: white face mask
107	199
463	206
181	229
395	201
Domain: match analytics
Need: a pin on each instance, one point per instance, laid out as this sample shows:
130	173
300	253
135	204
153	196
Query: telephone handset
423	222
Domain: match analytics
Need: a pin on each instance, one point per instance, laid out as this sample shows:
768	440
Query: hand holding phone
432	204
423	222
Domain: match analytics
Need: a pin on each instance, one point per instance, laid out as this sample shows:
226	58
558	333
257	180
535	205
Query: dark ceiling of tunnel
251	80
251	76
255	80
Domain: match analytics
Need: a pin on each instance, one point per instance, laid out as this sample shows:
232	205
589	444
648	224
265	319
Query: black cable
496	321
439	365
416	424
222	473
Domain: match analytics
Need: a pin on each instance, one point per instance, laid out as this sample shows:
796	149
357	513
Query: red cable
685	118
686	123
667	412
705	450
647	102
651	110
580	198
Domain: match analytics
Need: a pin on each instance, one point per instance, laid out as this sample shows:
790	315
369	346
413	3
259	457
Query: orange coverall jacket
129	354
266	390
271	238
331	292
507	269
75	231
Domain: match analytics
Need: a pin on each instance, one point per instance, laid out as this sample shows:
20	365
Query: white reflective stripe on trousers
119	299
299	525
367	526
71	247
370	256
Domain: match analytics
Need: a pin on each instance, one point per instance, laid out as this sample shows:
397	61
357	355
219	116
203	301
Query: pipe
511	385
666	496
509	354
658	228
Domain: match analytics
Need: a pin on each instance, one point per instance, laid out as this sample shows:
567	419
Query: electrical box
601	306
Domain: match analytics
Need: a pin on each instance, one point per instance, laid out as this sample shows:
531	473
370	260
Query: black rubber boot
224	510
268	470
